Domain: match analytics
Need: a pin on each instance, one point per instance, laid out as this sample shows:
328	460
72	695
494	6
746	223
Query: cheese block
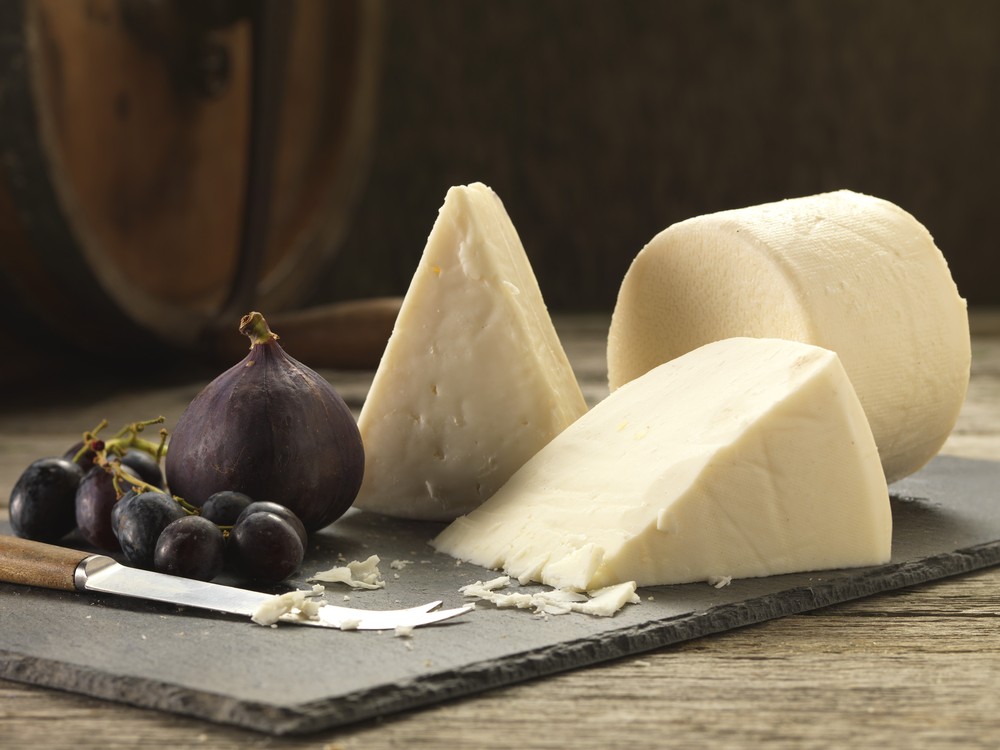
746	457
844	271
474	379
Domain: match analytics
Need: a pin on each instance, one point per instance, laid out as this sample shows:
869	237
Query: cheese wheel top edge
849	272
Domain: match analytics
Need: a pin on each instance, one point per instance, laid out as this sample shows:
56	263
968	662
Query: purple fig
273	429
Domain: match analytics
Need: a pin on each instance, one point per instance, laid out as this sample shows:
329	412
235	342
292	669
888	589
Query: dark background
601	123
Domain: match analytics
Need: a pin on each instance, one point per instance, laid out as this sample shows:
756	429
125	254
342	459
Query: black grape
42	501
116	511
264	547
265	506
141	519
192	547
86	462
96	497
144	465
223	508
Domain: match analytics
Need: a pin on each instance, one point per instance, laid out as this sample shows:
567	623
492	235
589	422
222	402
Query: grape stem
128	437
91	442
137	483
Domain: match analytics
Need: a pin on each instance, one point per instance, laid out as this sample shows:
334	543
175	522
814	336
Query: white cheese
302	605
746	457
473	380
363	574
844	271
601	603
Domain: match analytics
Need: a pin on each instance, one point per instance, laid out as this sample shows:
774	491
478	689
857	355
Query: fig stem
253	326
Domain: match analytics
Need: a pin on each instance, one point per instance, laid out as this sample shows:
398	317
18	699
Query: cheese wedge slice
474	379
844	271
746	457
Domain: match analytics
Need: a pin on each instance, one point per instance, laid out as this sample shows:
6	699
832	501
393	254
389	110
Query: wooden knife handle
37	564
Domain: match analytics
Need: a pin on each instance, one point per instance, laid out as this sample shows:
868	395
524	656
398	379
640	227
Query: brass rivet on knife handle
36	564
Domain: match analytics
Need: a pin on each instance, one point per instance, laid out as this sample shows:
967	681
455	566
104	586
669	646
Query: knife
31	563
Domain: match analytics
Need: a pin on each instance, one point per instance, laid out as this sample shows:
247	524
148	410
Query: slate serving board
293	680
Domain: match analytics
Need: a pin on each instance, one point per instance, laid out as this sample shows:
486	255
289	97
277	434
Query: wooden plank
912	668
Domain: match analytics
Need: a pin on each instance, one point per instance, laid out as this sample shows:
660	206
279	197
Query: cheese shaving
358	575
603	602
299	605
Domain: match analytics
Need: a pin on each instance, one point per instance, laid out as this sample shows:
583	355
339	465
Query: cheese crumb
491	585
719	581
358	575
601	603
400	564
301	605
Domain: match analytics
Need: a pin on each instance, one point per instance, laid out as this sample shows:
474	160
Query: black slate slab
290	679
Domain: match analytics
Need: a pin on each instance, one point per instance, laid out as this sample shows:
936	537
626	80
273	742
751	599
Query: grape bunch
113	494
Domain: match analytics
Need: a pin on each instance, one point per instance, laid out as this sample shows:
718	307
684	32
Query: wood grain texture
36	564
912	668
123	177
598	129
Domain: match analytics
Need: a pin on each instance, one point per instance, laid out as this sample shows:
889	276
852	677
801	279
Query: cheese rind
744	458
474	379
841	270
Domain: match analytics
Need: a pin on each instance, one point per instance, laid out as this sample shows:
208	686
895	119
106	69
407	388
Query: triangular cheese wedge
474	380
744	458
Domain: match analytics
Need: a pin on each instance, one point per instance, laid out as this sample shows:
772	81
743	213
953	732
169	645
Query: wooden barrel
122	187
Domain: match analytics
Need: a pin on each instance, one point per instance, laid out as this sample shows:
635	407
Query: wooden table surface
917	667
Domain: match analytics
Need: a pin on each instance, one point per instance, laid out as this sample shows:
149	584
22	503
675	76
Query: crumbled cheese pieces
302	605
602	603
844	271
473	380
358	575
746	457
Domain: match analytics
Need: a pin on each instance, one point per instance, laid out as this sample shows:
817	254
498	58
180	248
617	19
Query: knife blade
33	563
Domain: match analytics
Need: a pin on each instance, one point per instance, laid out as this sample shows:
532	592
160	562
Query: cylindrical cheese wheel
840	270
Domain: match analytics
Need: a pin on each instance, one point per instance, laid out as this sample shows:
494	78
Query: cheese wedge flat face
744	458
473	380
843	271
